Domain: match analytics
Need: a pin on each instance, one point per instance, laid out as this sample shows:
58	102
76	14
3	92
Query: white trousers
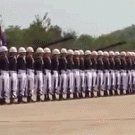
124	79
94	77
117	75
106	80
88	80
112	79
30	81
4	84
39	82
99	79
55	81
62	83
22	80
129	79
13	81
47	81
133	74
76	80
70	81
82	79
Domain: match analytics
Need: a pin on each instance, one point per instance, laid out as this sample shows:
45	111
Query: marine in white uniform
13	80
47	73
117	72
70	75
55	75
30	73
76	73
4	75
82	73
62	73
100	68
21	70
124	80
39	72
88	72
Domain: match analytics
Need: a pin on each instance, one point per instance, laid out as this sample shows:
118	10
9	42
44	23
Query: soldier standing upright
47	72
88	72
106	75
4	77
63	73
30	73
117	72
82	73
70	75
21	70
100	68
55	75
13	81
39	72
76	73
124	80
112	72
129	75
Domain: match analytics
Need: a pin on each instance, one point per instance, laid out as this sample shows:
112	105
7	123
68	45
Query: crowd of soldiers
24	73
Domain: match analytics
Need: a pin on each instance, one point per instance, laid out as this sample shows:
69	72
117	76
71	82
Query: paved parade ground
92	116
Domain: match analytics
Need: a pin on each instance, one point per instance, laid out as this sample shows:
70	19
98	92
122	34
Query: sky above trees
93	17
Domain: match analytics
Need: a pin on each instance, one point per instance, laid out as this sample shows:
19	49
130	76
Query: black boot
68	96
92	94
19	99
38	98
98	94
60	97
111	92
121	92
29	99
105	93
116	92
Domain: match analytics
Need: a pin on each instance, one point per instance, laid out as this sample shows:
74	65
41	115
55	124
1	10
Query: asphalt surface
92	116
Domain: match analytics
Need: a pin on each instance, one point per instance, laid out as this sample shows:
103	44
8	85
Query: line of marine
47	74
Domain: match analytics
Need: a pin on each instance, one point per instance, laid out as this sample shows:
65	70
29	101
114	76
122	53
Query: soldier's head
29	51
39	52
81	53
55	52
76	54
123	54
87	53
22	51
47	52
100	54
94	54
117	54
63	52
3	50
111	54
12	51
128	55
70	53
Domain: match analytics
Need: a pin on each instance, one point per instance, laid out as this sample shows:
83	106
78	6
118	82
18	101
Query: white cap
47	50
70	52
123	53
129	54
117	53
100	53
3	49
106	53
76	52
81	52
21	50
29	49
55	51
87	52
39	50
94	53
111	53
13	49
64	50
